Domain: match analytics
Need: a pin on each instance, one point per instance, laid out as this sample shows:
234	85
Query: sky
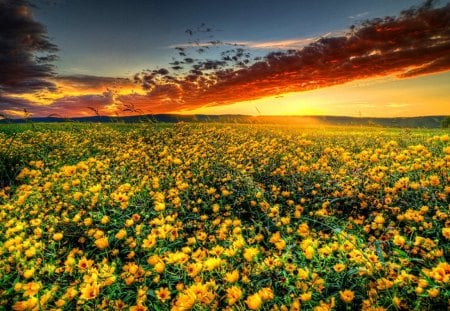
365	58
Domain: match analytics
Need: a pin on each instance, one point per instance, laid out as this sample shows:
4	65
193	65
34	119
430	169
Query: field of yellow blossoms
223	217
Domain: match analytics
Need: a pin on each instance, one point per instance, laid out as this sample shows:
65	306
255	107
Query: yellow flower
234	293
226	193
95	189
250	253
306	296
216	208
399	240
102	243
85	263
179	286
193	269
434	180
275	237
159	267
160	206
253	302
77	195
396	301
31	288
212	263
98	234
30	252
191	240
129	223
119	305
309	252
295	305
29	304
138	307
58	236
87	222
280	245
347	295
149	242
441	273
184	301
29	273
18	287
422	283
433	292
121	234
339	267
232	277
379	220
153	260
163	294
446	233
89	291
265	293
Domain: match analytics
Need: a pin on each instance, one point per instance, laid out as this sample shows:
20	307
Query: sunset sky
370	58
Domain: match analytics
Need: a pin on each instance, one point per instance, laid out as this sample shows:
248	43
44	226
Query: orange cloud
414	43
91	83
77	95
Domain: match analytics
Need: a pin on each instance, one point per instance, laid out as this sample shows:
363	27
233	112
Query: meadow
197	216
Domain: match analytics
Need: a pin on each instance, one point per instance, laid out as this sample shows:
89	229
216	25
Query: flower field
223	217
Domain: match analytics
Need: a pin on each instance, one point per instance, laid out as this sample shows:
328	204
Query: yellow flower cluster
224	217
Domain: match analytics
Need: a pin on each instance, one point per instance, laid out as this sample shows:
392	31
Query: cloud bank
414	43
26	52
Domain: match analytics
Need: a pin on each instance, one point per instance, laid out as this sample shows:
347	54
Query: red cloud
414	43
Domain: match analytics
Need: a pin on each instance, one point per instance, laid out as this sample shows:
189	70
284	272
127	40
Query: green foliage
10	163
445	123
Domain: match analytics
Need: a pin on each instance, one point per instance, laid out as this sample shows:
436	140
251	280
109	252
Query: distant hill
424	122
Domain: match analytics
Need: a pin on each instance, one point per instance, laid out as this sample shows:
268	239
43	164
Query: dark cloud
202	28
81	104
415	42
21	39
162	71
103	99
93	82
161	102
76	105
14	104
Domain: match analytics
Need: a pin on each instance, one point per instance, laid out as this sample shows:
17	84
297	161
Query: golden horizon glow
374	97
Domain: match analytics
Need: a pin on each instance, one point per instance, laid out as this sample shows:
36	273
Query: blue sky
123	37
